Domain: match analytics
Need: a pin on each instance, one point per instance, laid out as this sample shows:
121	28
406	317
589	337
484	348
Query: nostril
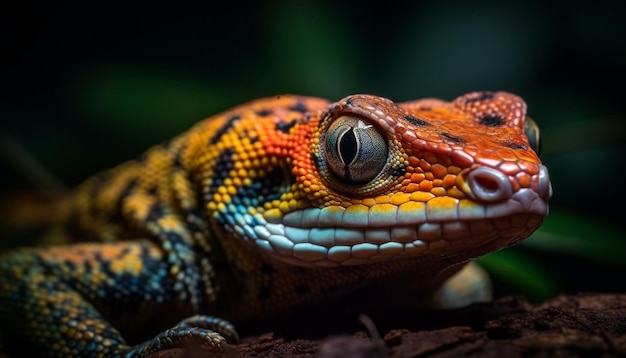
489	184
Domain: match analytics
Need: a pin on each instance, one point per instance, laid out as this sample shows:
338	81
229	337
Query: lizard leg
195	331
58	301
224	327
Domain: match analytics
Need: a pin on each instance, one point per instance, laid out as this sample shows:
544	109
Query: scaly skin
280	203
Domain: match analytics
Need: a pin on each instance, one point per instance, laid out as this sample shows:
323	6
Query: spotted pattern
243	217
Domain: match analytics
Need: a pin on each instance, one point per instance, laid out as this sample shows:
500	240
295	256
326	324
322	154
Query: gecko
278	204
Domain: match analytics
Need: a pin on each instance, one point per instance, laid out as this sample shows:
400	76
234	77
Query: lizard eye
357	151
531	129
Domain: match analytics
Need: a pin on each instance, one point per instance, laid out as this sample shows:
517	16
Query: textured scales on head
366	180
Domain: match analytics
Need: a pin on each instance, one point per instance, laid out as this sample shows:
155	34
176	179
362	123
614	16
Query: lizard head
369	180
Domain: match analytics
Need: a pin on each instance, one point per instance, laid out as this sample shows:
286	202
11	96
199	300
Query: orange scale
417	177
414	162
524	179
529	167
489	161
462	159
431	158
455	193
445	161
439	191
434	145
515	185
449	181
408	136
507	154
368	202
439	171
424	164
509	168
425	185
383	199
412	187
400	129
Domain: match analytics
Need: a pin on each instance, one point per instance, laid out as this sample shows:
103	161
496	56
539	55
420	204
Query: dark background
88	85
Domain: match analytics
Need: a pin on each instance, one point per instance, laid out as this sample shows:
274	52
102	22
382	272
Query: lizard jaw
330	237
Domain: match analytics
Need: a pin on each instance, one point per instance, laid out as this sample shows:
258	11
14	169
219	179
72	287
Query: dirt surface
582	325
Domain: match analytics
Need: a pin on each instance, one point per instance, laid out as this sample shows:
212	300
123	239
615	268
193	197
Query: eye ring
532	132
356	150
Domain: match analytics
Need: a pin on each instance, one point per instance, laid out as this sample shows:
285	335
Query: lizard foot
202	332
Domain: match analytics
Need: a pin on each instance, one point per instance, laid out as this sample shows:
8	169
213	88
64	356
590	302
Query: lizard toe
179	337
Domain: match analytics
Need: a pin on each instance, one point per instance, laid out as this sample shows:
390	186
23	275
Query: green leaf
521	272
578	236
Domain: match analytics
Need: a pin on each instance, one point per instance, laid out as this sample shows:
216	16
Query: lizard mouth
443	226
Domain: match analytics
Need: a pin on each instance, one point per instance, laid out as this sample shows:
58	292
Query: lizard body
272	205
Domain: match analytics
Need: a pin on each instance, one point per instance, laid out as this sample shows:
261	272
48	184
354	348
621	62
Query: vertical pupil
348	146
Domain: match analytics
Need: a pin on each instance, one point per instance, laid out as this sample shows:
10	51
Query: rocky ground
582	325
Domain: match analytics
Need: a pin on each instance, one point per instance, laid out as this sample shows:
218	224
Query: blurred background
88	86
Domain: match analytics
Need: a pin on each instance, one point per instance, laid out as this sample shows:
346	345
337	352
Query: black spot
264	112
416	121
155	213
302	289
262	190
514	145
480	96
105	267
225	128
98	257
264	293
72	265
124	252
399	172
285	126
153	190
299	107
173	237
452	137
491	121
178	162
125	193
254	139
425	108
221	170
305	119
